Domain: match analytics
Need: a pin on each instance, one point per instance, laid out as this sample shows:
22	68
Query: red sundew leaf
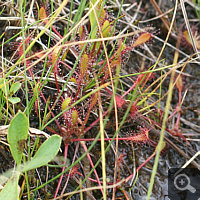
55	54
120	159
143	136
144	37
145	131
20	48
80	31
84	65
175	132
140	78
74	172
82	36
92	104
187	37
74	117
43	15
121	47
115	63
39	55
196	38
119	101
94	100
179	83
151	76
73	80
139	138
65	103
133	110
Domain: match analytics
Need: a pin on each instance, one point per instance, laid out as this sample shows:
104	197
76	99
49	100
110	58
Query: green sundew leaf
17	135
14	87
10	190
106	28
93	21
65	103
14	100
101	14
84	65
45	153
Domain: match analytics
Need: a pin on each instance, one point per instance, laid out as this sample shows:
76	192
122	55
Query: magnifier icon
182	182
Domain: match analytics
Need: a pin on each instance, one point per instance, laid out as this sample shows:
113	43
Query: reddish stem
92	165
70	68
51	111
55	72
57	32
131	88
75	154
61	177
29	70
179	112
95	122
131	138
145	162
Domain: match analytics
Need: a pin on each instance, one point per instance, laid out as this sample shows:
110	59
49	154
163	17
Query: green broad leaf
14	87
17	135
11	189
14	100
47	151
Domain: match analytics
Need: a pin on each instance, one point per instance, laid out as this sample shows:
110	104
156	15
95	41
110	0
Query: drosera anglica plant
86	70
